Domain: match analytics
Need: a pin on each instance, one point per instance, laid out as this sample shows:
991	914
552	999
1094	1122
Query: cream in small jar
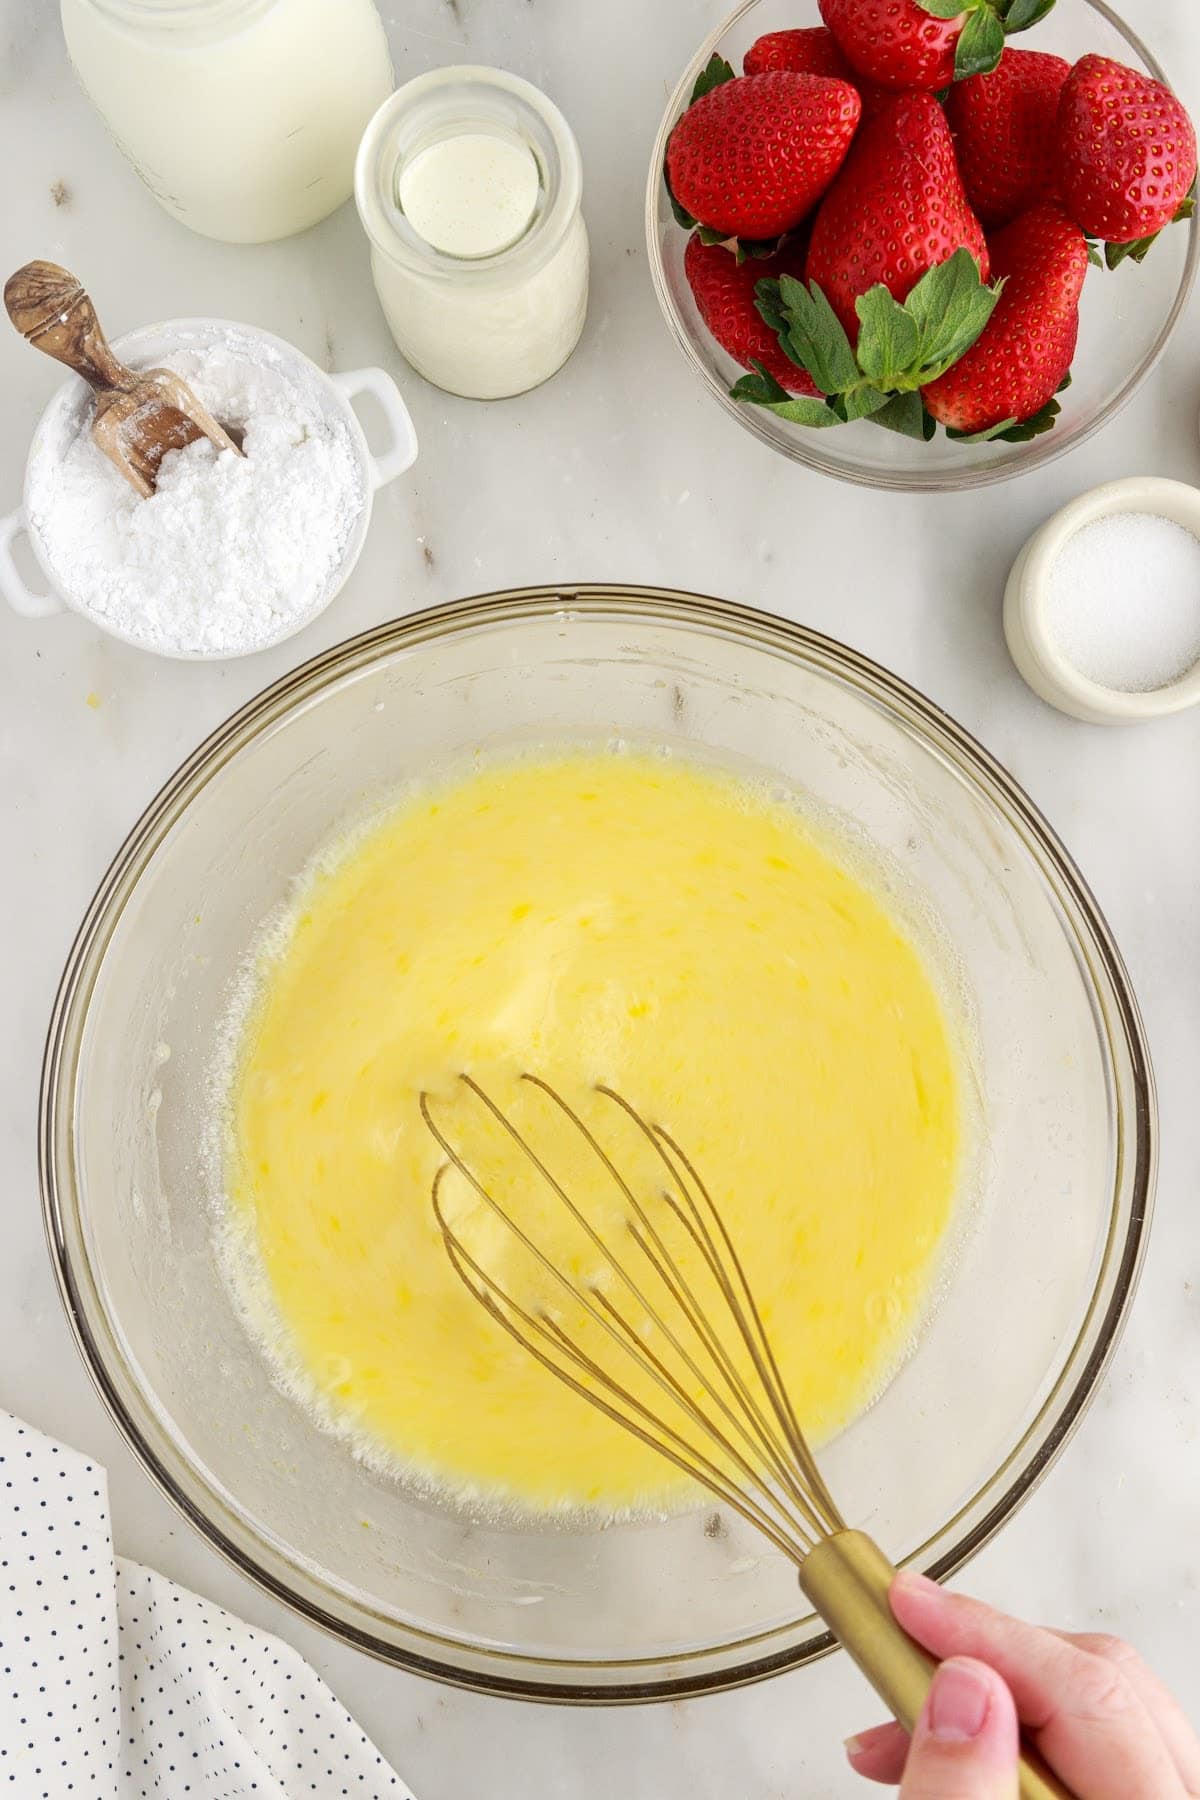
468	185
471	195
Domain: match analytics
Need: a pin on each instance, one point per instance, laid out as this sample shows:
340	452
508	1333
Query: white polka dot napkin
117	1685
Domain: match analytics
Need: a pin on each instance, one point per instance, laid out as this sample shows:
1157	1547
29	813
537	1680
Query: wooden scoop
140	413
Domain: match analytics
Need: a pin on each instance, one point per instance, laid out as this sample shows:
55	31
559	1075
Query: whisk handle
847	1578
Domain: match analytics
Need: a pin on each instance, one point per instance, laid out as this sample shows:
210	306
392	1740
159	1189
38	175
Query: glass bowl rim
510	1673
1035	454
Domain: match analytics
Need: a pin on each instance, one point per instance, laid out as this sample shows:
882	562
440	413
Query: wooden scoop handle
54	312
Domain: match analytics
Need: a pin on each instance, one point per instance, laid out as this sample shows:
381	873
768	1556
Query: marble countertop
631	475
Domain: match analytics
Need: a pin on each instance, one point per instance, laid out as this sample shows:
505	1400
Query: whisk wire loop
738	1436
780	1490
589	1295
744	1311
745	1414
632	1415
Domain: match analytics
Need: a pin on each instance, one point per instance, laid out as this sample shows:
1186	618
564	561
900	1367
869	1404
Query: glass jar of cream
469	185
241	116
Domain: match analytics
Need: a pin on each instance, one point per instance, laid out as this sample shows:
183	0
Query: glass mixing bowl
1126	316
1057	1223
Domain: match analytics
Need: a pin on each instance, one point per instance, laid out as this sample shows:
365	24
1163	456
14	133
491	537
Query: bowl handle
401	452
22	599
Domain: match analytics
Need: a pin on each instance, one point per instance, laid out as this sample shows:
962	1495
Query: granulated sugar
230	552
1123	601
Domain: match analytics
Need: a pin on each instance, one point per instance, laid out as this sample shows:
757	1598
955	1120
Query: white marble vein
630	474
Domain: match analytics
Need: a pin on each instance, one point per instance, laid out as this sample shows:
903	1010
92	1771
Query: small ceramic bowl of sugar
1102	608
231	554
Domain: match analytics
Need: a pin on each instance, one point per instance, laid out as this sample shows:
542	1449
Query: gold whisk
719	1409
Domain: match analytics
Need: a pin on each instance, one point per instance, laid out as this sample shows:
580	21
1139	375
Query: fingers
964	1746
1177	1734
980	1750
880	1753
1086	1715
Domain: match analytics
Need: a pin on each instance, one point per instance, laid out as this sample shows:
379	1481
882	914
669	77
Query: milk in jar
242	117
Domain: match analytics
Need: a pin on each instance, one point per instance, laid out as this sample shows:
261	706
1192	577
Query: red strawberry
896	209
751	157
1003	126
895	42
1126	151
1019	360
723	290
812	50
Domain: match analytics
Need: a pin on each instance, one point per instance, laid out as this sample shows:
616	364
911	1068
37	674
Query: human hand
1098	1717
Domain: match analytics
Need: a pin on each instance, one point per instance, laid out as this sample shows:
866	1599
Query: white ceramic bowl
147	347
1033	647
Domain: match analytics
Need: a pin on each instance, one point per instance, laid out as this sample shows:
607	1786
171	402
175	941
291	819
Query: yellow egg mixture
628	919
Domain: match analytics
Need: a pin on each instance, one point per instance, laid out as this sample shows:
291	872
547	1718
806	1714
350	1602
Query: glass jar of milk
241	116
469	185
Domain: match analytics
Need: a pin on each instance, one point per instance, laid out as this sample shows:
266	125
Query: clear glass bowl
1010	1356
1126	317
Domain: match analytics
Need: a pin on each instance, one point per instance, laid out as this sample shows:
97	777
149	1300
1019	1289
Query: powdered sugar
231	553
